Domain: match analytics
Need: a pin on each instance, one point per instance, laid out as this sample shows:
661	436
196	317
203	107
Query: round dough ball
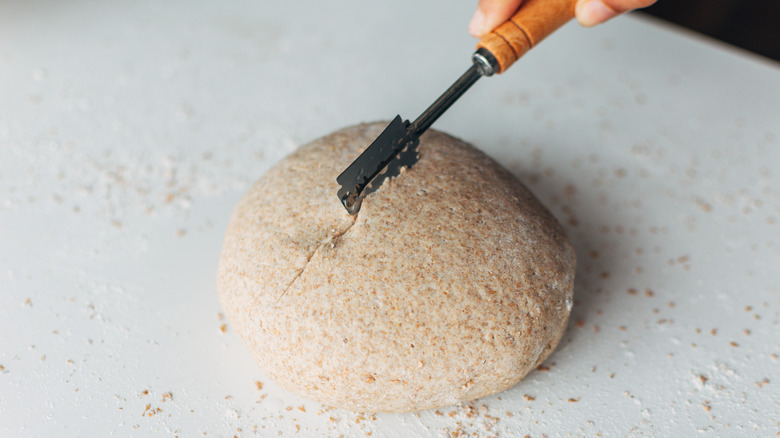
452	283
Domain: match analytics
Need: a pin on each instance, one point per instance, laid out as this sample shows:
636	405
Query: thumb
491	13
593	12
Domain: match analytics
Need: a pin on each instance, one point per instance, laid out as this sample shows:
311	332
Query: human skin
491	13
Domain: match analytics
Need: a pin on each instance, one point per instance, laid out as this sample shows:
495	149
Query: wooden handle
531	23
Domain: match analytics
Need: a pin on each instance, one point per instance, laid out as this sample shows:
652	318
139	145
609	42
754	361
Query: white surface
128	131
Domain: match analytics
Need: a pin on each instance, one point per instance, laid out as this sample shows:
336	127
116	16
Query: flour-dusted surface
452	282
129	131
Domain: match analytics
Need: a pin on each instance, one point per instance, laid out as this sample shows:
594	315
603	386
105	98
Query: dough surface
452	283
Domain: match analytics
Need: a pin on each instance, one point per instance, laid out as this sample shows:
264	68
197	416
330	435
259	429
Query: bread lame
396	146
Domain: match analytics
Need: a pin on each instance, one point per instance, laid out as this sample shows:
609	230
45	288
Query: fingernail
477	24
593	12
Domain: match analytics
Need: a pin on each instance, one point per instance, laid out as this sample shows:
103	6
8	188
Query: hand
491	13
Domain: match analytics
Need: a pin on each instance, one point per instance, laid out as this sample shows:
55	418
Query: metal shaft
483	65
446	100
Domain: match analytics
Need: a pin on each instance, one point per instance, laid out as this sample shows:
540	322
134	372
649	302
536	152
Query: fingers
593	12
491	13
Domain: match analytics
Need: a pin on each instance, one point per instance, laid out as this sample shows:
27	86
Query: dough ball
452	283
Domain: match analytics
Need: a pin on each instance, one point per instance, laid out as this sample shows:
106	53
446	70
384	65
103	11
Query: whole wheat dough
452	283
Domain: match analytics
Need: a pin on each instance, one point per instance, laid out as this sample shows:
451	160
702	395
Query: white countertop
129	130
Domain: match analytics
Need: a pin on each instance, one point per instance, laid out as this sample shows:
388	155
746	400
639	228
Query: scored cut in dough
452	283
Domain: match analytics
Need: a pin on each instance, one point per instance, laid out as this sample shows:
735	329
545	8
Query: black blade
396	147
393	149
